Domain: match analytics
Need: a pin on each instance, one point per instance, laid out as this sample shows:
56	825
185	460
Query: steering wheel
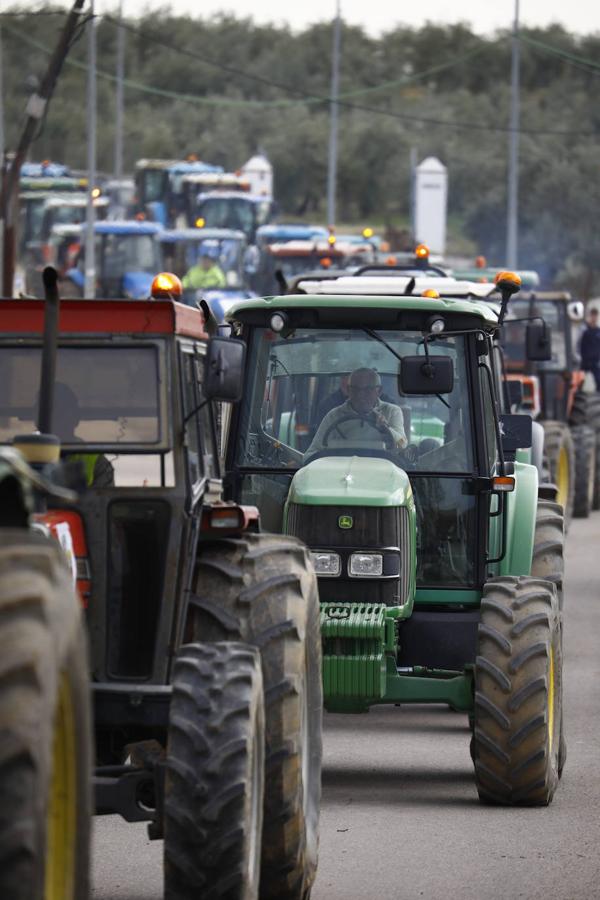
384	430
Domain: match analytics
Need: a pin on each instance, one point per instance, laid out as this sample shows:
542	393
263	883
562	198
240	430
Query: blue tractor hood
137	285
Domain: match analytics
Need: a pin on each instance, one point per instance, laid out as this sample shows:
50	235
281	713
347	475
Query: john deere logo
345	521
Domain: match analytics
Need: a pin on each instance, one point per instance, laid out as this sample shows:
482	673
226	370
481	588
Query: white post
512	224
90	247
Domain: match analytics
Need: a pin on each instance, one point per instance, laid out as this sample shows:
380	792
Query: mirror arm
195	410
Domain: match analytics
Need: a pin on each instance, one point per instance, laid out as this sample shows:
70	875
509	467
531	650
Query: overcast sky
582	16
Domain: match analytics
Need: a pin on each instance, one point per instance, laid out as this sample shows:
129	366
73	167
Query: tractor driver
207	273
364	407
98	471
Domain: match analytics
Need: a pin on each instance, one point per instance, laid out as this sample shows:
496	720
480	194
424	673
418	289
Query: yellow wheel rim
562	477
551	699
62	805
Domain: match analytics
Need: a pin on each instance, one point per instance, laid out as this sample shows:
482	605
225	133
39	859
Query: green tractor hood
351	481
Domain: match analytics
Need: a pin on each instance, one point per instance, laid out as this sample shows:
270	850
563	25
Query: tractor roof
395	285
177	166
106	317
477	308
174	235
113	226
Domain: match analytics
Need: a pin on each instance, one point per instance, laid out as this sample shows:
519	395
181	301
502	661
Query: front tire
214	785
262	589
586	411
518	693
584	440
45	732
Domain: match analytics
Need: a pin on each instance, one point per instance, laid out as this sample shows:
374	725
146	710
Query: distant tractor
126	261
553	387
159	191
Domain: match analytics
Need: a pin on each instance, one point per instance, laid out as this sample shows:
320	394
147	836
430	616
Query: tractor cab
233	209
159	191
370	429
126	261
546	370
182	249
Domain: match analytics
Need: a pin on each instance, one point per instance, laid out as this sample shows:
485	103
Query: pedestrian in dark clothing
590	347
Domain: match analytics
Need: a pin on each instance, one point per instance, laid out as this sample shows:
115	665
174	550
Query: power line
455	124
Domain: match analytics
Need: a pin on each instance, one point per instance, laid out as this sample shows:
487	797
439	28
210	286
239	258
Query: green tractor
370	430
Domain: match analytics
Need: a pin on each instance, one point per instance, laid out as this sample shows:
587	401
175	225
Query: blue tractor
160	191
126	261
235	262
233	209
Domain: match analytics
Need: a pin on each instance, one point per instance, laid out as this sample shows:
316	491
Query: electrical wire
456	124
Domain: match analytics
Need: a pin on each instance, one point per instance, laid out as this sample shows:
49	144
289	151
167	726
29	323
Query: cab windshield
118	406
513	333
238	214
298	380
118	254
301	406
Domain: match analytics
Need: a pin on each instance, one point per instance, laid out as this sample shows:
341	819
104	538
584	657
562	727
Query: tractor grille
373	528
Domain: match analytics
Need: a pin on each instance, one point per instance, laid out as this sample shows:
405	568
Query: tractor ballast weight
426	552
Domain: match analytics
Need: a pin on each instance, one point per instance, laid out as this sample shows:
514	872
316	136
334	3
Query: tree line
225	87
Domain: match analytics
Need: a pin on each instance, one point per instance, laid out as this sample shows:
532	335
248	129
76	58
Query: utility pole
333	117
34	112
2	160
512	218
119	95
89	289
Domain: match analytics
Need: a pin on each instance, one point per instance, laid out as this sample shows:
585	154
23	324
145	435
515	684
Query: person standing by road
590	347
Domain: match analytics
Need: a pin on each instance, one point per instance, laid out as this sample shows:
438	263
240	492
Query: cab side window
489	416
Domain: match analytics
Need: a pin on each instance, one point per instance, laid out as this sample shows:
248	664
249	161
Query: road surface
400	816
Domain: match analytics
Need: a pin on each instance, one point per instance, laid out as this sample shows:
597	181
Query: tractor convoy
354	497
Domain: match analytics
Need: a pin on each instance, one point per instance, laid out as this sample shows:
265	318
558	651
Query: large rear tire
262	589
548	545
518	693
584	440
45	732
214	784
560	456
586	411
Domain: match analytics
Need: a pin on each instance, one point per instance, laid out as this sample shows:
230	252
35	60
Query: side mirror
426	375
516	433
224	369
538	342
576	311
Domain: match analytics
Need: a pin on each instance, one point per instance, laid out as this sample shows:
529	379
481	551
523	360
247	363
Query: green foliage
228	76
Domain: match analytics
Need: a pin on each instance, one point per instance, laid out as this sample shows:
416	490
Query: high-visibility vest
89	461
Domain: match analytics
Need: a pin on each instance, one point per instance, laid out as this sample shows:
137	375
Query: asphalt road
400	816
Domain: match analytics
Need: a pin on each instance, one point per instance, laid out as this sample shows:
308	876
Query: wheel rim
562	477
61	821
551	701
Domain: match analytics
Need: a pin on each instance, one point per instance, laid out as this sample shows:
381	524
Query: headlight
326	563
366	564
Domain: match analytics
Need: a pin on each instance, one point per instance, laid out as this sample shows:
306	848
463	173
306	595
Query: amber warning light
166	286
422	251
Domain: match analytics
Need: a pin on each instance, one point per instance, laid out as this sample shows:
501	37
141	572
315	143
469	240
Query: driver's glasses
369	389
